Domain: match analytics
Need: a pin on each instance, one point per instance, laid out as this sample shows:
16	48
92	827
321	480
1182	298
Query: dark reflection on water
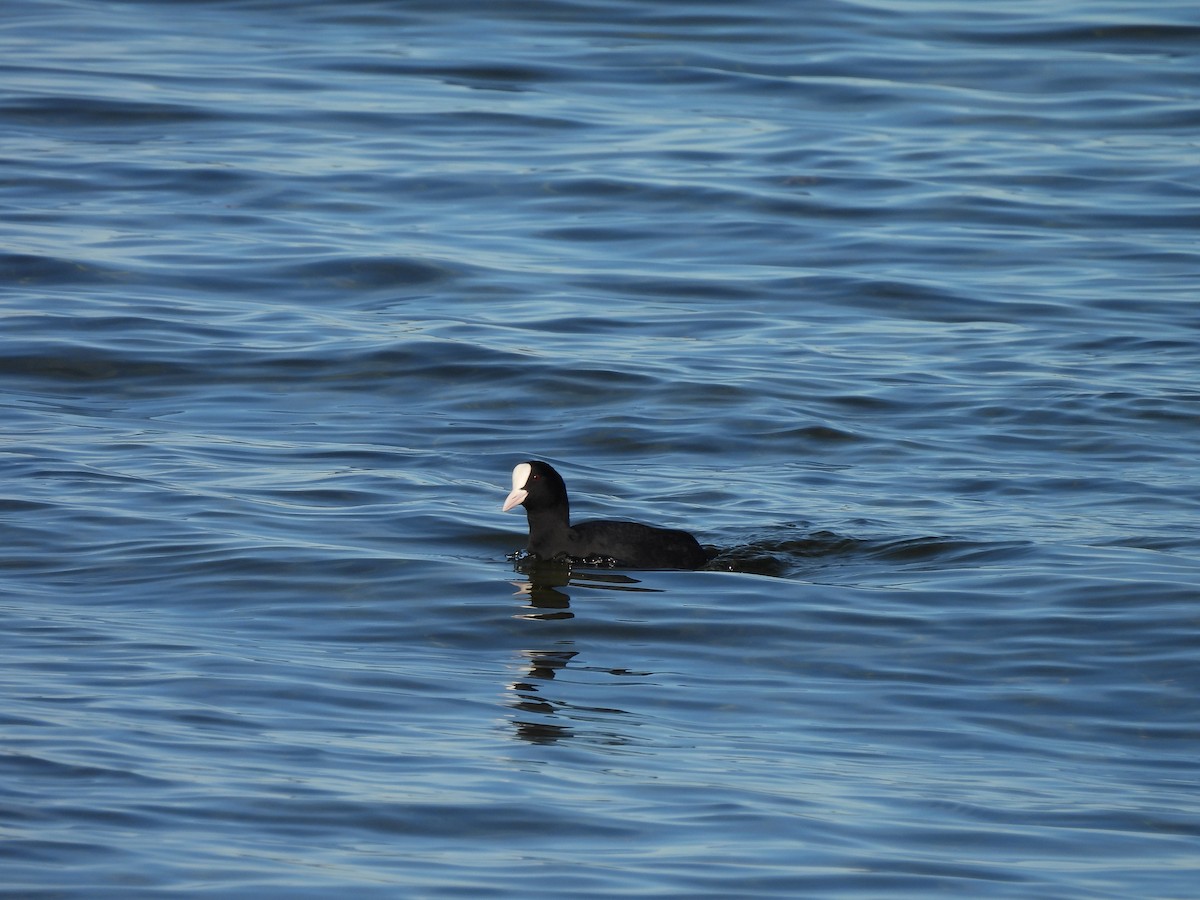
548	580
531	698
548	590
548	599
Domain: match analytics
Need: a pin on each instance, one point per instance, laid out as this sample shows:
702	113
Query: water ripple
894	310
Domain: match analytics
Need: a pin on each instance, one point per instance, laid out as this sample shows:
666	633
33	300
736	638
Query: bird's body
540	489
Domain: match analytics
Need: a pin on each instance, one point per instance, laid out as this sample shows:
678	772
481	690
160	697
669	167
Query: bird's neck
547	527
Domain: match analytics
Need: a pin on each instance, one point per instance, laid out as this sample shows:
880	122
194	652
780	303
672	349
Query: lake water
895	303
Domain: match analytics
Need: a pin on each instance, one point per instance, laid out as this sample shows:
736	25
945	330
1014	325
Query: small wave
822	551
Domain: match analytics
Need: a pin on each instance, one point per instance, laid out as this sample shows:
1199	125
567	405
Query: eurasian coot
541	490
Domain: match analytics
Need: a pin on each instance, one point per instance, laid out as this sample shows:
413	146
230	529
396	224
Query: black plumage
541	490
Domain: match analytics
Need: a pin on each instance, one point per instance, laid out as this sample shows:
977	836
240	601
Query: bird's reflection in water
541	666
544	715
549	581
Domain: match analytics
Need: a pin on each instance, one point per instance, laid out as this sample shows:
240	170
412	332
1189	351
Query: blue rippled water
894	302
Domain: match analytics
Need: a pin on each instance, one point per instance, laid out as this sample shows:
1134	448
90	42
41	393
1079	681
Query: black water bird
631	545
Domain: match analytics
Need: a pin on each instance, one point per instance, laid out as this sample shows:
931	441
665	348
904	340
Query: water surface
892	302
